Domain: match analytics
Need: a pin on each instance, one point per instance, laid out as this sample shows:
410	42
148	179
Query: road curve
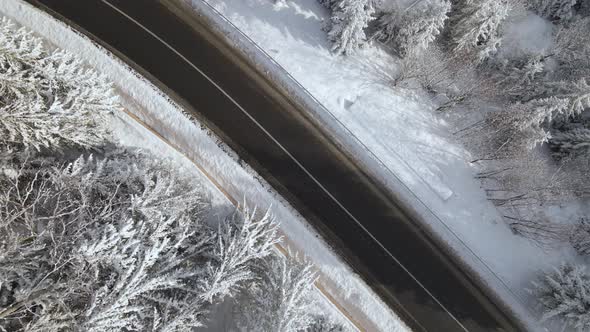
377	236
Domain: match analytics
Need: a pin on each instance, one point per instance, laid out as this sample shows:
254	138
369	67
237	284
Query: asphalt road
379	238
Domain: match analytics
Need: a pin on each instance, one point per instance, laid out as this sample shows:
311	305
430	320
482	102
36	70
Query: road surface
377	236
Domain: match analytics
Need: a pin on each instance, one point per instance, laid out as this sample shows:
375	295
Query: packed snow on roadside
149	105
402	129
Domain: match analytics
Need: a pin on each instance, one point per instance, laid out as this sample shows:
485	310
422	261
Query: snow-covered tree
580	236
49	98
570	54
570	148
243	239
528	124
349	20
524	124
428	68
476	26
413	27
565	293
117	243
561	10
574	141
577	93
519	79
323	324
280	300
560	71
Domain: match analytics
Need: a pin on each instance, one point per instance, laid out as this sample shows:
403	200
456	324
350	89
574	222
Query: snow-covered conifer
554	9
580	236
475	27
578	94
560	71
323	324
519	79
279	301
413	27
349	20
571	51
533	118
241	241
572	41
49	98
525	124
117	243
565	293
574	141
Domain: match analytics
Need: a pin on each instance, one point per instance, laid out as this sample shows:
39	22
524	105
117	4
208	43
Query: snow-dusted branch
49	99
564	293
280	300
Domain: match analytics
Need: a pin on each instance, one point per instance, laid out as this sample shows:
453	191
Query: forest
521	105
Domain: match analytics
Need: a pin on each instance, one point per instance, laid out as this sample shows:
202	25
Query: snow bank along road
271	133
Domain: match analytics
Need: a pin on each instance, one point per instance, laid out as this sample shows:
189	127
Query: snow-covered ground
152	121
399	128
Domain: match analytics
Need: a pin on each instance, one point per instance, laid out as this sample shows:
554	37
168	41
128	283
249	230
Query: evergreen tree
530	121
570	142
565	293
323	324
49	98
561	10
572	43
349	21
578	94
415	27
475	26
580	237
279	301
117	243
519	79
524	125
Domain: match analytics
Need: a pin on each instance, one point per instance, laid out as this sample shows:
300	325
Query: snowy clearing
145	102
